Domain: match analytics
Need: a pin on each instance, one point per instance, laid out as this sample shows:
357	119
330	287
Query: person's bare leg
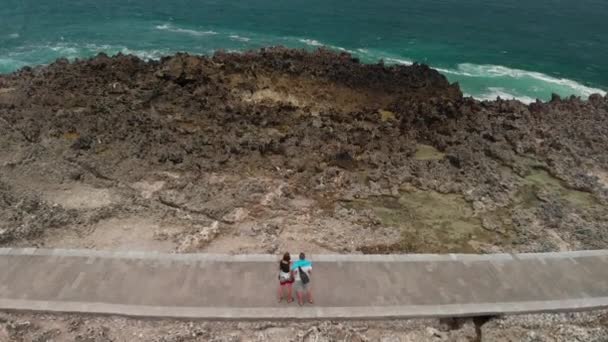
280	293
289	295
309	295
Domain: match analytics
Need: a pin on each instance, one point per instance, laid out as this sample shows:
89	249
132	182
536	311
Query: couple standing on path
297	274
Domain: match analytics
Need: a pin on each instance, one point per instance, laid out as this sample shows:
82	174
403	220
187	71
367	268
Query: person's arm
291	270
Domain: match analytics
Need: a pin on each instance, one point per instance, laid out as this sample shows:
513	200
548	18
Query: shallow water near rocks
541	179
431	222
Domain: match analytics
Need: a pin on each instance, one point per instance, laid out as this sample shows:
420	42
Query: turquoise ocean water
508	48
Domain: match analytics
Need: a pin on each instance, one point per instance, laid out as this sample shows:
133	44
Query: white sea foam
452	72
311	42
171	28
239	38
373	56
13	35
494	92
497	71
64	50
145	54
72	51
398	61
99	48
6	62
9	65
316	43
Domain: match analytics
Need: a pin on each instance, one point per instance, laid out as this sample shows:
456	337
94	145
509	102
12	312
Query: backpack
303	276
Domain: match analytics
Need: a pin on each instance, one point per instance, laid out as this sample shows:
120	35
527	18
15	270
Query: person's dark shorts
286	283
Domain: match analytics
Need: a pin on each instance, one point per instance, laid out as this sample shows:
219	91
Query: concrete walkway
345	286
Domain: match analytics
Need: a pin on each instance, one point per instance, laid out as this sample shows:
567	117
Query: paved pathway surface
345	286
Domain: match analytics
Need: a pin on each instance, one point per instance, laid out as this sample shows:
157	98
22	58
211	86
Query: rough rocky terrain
280	150
583	327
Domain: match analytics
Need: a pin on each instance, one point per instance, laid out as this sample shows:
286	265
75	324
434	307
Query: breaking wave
316	43
483	82
174	29
496	92
239	38
399	61
535	82
311	42
10	64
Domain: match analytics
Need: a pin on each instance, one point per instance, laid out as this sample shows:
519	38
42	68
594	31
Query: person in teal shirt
302	270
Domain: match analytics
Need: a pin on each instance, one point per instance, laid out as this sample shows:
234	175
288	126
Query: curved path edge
317	258
308	313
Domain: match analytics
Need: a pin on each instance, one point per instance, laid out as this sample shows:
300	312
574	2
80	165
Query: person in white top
285	278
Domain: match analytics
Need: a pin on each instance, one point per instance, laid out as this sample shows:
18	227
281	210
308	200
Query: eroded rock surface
283	149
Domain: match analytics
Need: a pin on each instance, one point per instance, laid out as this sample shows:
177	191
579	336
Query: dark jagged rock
323	122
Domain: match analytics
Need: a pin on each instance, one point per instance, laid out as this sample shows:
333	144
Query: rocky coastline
281	149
